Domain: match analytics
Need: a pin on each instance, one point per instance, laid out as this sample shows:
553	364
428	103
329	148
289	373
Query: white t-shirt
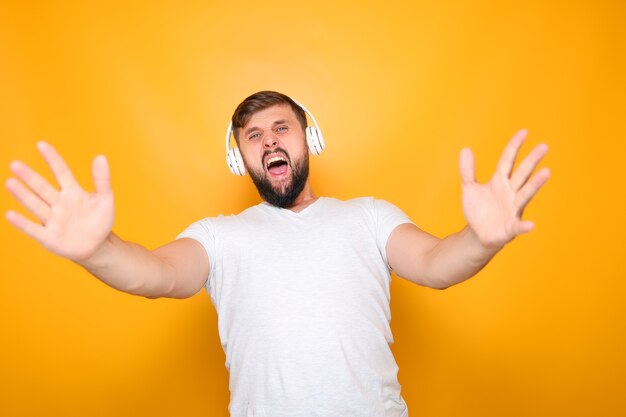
303	308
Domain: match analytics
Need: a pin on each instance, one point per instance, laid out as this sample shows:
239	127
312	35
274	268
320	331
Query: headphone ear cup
314	140
235	162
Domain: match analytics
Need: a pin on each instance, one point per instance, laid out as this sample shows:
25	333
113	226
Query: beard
282	195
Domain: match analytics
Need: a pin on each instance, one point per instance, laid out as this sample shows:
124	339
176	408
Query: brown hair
261	101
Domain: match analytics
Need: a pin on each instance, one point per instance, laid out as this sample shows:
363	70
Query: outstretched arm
76	224
493	212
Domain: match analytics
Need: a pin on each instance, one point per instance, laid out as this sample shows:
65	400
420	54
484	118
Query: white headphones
314	140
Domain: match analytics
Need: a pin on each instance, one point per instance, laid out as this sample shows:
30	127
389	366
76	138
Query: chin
282	192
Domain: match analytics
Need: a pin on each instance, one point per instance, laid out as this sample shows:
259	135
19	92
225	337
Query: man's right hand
73	222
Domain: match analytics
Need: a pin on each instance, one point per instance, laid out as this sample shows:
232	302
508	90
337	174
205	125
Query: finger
32	202
35	182
101	174
528	191
57	164
528	165
467	166
524	227
507	160
32	229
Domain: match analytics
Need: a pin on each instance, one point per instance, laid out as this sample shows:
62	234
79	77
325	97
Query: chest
293	268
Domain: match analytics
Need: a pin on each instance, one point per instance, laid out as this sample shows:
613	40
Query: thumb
466	166
101	176
524	227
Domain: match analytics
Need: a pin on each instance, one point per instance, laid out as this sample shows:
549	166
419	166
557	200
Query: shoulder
378	212
367	204
252	212
371	210
211	223
351	203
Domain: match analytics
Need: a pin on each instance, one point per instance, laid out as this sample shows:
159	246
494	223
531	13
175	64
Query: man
300	282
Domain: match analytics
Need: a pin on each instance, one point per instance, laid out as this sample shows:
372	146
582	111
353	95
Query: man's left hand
494	210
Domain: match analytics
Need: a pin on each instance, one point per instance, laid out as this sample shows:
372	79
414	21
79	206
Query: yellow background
398	89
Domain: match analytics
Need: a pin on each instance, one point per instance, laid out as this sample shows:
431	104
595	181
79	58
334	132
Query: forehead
268	116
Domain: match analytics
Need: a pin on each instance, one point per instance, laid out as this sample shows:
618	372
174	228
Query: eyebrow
253	128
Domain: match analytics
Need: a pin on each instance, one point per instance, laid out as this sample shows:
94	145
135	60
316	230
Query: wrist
97	259
484	249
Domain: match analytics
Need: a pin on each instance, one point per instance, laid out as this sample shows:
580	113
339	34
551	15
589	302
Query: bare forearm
129	267
77	225
456	258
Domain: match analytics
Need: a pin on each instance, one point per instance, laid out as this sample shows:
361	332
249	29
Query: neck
305	199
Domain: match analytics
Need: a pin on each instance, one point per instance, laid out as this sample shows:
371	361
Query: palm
79	223
493	210
74	223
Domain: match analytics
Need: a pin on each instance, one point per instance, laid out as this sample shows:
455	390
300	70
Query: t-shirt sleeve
388	217
203	231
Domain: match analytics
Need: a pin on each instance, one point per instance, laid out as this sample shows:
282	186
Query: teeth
274	159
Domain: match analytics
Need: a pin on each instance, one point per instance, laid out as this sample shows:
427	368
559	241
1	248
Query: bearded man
300	282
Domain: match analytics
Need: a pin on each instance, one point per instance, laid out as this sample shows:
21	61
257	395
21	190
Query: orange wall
398	88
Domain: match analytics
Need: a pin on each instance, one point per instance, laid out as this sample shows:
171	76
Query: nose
270	140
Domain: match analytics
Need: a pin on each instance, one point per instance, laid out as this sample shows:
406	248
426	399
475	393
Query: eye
254	136
281	129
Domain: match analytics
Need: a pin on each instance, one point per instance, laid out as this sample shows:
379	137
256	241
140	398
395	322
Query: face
274	150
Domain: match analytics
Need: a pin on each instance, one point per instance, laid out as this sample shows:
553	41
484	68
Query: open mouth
276	165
